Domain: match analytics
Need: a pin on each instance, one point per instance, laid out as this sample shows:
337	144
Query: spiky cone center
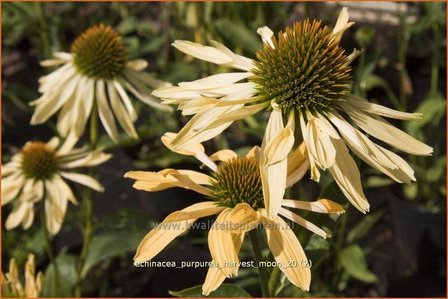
237	181
307	70
100	52
39	161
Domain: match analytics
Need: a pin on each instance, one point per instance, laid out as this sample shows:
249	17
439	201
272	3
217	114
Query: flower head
37	173
95	76
12	285
235	192
302	75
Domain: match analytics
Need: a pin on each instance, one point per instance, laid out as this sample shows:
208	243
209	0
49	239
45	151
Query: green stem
44	32
339	242
435	61
264	276
55	287
402	49
87	210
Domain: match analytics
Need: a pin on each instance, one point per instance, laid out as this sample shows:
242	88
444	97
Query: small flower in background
95	76
235	191
37	173
12	285
304	75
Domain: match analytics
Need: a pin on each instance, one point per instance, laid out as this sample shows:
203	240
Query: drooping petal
122	116
372	108
199	210
298	164
288	252
196	150
158	238
11	186
273	176
221	245
301	221
381	129
215	275
83	179
105	112
347	176
325	206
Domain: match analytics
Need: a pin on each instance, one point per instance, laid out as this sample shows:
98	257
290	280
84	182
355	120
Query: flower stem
88	227
55	286
264	276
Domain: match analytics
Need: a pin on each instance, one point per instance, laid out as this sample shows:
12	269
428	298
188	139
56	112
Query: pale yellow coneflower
37	173
302	74
97	74
235	193
12	285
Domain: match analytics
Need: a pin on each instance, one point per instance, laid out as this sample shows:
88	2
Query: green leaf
66	280
375	181
433	109
108	245
353	261
225	290
238	34
364	226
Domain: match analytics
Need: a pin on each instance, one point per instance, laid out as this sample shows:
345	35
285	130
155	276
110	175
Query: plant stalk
264	276
51	256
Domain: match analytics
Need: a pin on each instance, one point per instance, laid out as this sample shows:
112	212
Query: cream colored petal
237	113
122	116
215	81
64	123
381	129
199	51
158	238
347	176
147	98
54	102
254	152
242	218
342	24
196	150
273	177
195	106
372	108
55	81
215	275
199	210
298	164
319	143
29	217
83	179
92	159
68	145
288	253
66	190
278	148
302	222
238	61
55	206
126	100
9	168
137	65
374	155
17	215
105	112
266	35
353	56
325	206
315	175
11	186
221	245
187	183
223	155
